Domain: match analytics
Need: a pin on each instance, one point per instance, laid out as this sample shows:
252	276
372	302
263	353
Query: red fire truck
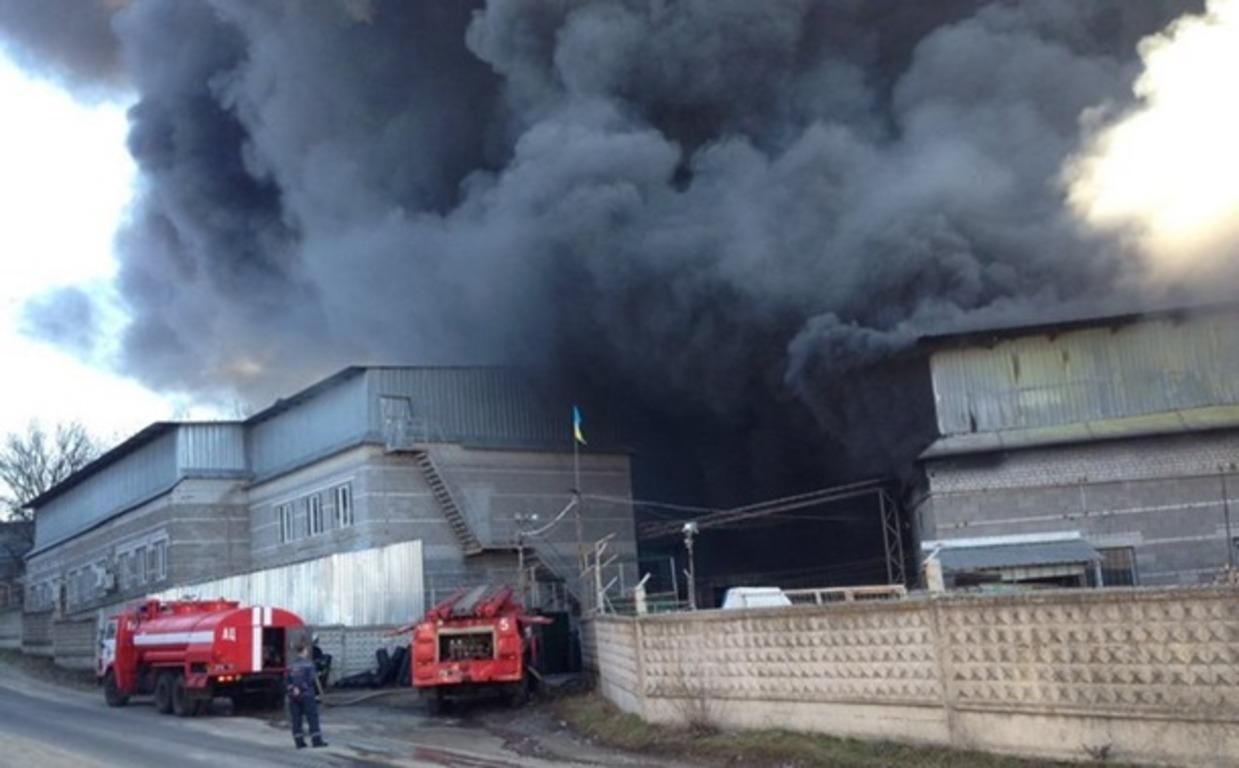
187	652
477	641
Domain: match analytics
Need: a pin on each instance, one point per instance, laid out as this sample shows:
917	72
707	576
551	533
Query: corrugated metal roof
1020	555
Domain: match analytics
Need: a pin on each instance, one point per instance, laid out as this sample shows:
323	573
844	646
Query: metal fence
383	585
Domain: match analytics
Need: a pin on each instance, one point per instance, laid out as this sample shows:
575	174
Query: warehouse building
1123	430
454	459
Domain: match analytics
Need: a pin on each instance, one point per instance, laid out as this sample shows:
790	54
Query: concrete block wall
202	522
1146	675
37	633
73	643
1166	497
353	648
11	629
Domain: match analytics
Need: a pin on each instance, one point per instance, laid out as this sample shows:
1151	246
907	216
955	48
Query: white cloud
65	181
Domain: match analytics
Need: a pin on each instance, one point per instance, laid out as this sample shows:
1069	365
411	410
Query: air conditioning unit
108	581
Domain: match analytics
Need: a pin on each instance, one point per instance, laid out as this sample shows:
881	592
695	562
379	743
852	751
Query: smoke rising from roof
718	207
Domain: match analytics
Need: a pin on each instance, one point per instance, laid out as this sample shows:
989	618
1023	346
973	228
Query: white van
755	597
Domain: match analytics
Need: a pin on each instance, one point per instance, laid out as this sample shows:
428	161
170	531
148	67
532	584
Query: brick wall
1144	675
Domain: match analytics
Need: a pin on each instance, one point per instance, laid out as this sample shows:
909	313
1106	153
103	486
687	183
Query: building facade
1123	429
453	458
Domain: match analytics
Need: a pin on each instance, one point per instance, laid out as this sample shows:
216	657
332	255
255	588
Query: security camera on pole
690	530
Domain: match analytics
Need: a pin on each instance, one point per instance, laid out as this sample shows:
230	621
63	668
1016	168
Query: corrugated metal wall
147	471
1088	375
325	421
481	406
372	586
210	448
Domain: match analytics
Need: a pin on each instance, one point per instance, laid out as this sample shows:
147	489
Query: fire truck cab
187	652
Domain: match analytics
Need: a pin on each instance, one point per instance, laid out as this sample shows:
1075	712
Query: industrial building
453	459
1123	430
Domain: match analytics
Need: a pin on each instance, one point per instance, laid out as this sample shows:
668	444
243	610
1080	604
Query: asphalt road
48	728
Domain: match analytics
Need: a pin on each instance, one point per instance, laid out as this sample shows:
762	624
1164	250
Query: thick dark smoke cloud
724	209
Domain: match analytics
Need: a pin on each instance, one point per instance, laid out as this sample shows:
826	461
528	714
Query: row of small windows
312	506
132	568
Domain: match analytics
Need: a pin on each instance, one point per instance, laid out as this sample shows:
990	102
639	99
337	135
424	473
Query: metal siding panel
211	447
143	473
482	406
376	586
325	421
1088	375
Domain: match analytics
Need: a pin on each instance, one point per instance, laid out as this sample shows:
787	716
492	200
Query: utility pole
690	530
522	585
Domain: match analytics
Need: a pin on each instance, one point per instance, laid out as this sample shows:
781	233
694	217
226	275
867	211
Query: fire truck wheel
163	693
183	704
111	691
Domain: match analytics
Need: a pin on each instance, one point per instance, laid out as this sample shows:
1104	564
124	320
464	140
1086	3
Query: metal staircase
542	556
451	510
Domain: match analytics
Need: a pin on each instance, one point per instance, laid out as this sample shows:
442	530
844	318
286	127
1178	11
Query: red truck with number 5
477	641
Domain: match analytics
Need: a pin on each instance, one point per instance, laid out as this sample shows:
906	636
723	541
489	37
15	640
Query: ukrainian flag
576	426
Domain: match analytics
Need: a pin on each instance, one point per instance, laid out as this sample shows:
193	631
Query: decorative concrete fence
1130	675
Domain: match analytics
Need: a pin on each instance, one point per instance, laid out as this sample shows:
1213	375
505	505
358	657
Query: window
157	561
140	572
344	505
314	514
1118	567
285	513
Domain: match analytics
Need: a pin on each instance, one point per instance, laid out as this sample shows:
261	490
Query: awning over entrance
1063	558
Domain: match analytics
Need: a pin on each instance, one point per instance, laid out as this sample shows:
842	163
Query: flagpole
576	490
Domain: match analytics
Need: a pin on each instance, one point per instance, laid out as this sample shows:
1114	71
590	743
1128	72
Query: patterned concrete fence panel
1133	675
619	675
73	643
11	629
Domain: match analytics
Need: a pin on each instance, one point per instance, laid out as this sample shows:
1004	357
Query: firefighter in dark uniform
302	699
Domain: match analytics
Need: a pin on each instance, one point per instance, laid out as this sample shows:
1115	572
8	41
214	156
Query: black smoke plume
725	211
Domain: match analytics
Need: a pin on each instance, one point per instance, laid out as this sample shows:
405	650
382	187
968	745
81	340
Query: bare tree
33	461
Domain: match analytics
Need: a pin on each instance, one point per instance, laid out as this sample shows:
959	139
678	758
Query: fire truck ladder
447	504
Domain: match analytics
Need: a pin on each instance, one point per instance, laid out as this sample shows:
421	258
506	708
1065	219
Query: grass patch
593	716
42	668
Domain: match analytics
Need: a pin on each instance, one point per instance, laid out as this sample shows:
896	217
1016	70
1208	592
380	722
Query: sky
65	181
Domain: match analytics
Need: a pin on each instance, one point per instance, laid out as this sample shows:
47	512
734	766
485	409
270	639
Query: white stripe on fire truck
268	616
167	638
256	639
